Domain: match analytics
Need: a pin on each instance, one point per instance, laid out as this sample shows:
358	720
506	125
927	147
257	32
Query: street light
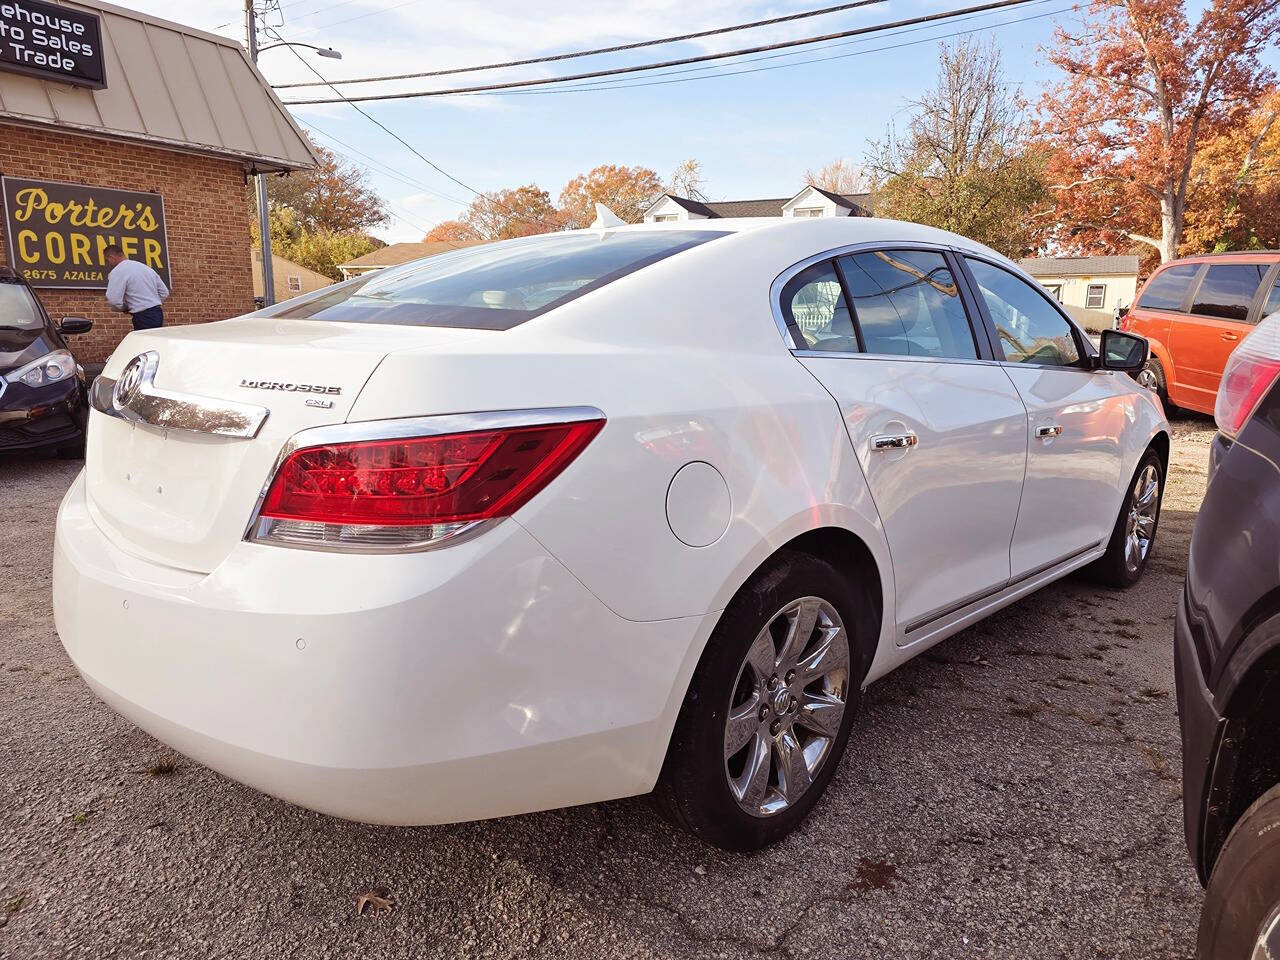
264	215
328	52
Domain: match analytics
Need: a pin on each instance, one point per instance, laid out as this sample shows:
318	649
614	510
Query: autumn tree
963	162
517	212
451	231
627	191
841	176
334	197
1234	192
1143	90
687	181
316	249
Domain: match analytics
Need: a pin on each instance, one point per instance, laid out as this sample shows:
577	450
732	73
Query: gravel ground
1012	793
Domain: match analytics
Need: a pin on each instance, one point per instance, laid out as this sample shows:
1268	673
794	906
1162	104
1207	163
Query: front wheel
770	706
1241	916
1152	377
1133	539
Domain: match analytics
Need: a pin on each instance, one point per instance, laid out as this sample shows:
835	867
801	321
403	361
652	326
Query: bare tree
841	176
687	181
964	162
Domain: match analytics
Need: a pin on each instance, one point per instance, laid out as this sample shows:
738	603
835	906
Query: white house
809	202
1091	288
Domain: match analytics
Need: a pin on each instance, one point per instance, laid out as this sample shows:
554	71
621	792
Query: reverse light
51	368
1249	374
410	493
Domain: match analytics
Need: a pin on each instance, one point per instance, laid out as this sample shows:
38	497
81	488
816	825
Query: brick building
180	119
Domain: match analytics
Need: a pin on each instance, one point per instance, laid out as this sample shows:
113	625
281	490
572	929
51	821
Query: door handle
1044	433
897	441
1232	337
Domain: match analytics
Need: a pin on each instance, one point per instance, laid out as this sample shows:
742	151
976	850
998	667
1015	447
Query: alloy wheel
1147	378
1144	509
1267	944
787	706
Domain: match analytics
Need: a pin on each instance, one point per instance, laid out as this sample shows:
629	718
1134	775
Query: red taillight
1246	379
449	479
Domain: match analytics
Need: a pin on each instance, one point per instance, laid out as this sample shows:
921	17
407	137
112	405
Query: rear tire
1242	907
1133	538
761	682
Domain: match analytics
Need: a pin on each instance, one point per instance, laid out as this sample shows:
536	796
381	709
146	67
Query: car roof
1242	256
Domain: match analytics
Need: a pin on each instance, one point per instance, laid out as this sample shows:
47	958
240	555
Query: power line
615	85
637	68
410	147
552	58
383	167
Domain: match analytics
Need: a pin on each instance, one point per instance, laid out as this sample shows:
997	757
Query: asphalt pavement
1014	792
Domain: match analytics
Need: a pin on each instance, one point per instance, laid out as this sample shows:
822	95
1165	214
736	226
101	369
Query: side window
813	302
1169	287
1228	289
1029	328
1095	296
907	302
1273	300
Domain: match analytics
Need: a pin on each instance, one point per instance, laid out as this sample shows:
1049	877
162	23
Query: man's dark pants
148	319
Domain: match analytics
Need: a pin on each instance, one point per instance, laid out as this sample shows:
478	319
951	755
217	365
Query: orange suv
1194	312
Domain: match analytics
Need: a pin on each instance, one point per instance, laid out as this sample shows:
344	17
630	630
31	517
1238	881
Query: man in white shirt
136	289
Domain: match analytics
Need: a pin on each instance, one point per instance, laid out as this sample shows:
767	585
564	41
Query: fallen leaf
379	899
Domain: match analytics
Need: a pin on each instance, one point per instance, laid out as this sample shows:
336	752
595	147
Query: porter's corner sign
57	234
52	43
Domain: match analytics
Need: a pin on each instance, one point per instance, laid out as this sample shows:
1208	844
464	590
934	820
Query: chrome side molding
136	399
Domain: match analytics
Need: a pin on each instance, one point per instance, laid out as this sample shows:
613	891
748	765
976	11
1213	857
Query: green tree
334	197
964	163
316	249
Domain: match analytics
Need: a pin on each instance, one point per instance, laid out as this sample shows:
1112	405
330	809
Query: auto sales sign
57	234
52	43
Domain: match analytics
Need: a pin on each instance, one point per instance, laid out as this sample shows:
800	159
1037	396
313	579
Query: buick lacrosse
591	514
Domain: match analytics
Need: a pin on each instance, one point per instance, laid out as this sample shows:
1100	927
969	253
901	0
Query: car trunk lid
182	489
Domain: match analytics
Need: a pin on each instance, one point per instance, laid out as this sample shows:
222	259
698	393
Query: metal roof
1080	266
168	85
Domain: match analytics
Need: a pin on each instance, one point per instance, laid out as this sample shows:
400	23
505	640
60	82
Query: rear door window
1169	287
1273	300
1228	289
495	286
906	302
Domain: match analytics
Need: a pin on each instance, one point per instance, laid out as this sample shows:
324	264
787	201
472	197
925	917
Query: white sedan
591	514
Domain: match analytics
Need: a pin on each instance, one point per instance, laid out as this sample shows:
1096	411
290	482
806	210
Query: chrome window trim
402	428
149	405
775	290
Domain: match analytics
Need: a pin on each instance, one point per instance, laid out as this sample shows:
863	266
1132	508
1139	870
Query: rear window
1228	289
1168	288
492	287
18	307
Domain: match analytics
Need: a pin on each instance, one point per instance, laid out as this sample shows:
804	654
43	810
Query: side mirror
1126	352
75	325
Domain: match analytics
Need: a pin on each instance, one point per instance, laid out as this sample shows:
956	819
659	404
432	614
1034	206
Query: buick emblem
130	381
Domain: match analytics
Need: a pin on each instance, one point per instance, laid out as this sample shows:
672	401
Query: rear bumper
474	681
1201	729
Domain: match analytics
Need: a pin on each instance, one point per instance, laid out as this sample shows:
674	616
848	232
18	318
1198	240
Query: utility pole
264	214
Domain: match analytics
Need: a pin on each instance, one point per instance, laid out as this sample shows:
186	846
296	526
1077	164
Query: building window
1055	290
807	212
666	218
1095	296
295	284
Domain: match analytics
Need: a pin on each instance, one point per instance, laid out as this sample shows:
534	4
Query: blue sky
754	133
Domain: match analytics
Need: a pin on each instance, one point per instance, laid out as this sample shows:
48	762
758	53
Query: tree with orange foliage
451	231
624	190
335	196
1143	91
518	212
1235	186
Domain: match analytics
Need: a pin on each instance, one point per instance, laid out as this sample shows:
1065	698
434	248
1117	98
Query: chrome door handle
1230	337
1045	433
897	441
